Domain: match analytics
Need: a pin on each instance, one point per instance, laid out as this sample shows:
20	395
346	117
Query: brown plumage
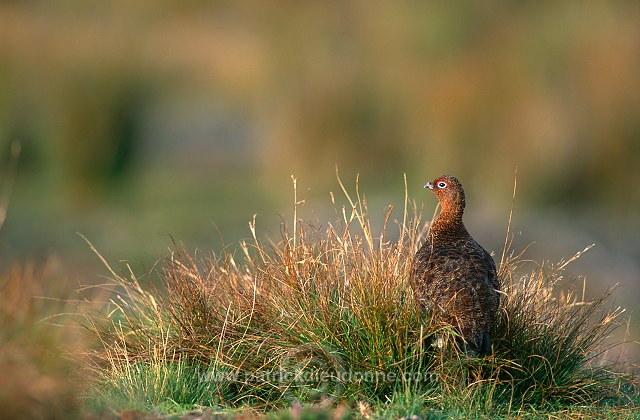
453	276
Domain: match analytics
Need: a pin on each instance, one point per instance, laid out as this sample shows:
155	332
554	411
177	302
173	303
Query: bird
452	276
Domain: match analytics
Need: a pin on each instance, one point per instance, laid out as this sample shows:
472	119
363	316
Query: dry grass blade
10	178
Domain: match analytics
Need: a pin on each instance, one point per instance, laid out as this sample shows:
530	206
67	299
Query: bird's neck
448	224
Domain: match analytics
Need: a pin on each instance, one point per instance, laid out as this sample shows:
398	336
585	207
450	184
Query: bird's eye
442	184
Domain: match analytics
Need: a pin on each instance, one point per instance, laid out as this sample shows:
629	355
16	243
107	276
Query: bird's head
449	192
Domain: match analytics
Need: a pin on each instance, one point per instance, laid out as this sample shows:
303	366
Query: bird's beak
428	185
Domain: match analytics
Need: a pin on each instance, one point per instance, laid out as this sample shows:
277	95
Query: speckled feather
453	275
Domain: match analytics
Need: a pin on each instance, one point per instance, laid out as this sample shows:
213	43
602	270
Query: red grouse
453	277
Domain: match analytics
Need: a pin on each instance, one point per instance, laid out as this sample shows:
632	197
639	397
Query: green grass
323	321
154	386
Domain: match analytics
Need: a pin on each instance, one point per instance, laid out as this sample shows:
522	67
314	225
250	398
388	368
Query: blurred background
140	120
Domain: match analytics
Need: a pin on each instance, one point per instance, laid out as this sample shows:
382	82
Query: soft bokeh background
139	119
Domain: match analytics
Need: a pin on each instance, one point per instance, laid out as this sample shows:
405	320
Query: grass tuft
325	317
